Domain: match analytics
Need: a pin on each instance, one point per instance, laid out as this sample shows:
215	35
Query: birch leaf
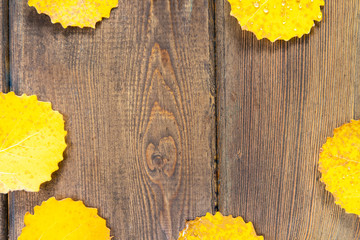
65	219
79	13
32	142
218	227
339	164
277	19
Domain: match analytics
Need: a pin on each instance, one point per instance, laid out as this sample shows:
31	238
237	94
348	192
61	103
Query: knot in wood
158	159
162	157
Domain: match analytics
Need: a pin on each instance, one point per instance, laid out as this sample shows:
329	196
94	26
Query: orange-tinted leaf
340	166
32	142
218	227
79	13
65	219
277	19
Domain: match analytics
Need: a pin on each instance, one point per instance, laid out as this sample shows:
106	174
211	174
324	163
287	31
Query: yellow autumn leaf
218	227
79	13
277	19
340	166
32	142
65	219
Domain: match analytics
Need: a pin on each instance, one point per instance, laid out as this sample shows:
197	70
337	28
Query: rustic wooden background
172	111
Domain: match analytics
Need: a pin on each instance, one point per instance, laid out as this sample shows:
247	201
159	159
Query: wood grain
137	94
4	87
277	104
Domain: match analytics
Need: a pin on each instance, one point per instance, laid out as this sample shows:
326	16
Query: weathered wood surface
4	86
137	94
277	104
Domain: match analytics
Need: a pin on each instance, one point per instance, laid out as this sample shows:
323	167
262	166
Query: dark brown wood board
137	95
4	86
277	103
4	46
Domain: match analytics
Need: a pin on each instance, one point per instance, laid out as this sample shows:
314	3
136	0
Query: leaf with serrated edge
218	227
339	164
77	13
32	142
277	19
65	219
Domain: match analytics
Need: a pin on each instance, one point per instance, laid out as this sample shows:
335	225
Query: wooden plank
137	97
4	46
277	104
4	217
4	87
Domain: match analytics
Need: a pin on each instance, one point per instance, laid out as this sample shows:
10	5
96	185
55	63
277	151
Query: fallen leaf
79	13
32	142
277	19
65	219
218	227
339	164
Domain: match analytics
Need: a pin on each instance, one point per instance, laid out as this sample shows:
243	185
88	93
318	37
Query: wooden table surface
173	111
